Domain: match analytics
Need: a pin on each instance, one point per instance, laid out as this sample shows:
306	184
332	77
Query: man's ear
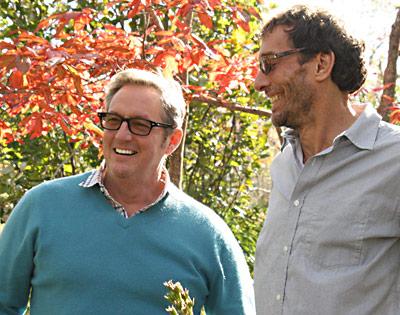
324	63
174	140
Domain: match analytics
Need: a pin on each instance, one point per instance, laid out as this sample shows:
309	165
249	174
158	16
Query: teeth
124	152
274	98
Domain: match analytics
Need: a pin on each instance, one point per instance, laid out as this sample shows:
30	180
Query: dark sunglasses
137	126
268	61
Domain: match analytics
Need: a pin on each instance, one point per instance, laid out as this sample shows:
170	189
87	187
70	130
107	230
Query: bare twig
231	106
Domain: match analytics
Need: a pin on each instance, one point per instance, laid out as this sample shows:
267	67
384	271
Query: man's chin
120	172
279	120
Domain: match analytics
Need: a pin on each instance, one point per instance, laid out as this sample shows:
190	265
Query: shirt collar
96	178
362	133
289	136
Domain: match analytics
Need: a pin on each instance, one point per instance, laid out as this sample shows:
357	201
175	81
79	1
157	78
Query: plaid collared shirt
96	178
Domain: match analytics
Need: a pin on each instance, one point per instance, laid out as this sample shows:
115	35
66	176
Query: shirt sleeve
232	291
16	259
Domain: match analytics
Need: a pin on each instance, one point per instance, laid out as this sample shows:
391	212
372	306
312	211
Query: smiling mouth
275	98
124	152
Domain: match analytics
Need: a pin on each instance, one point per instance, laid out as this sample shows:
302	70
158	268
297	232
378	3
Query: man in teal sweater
104	242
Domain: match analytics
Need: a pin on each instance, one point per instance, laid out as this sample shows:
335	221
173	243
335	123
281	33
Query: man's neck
135	194
329	121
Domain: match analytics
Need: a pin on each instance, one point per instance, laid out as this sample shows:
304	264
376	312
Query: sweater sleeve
16	259
232	290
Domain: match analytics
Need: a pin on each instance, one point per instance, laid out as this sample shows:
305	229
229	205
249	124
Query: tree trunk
176	159
175	168
390	74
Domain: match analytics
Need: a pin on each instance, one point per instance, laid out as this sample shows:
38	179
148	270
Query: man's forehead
275	41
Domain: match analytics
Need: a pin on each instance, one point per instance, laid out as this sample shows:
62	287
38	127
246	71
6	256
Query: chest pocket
335	234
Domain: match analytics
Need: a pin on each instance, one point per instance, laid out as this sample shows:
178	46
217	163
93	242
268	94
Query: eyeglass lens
135	125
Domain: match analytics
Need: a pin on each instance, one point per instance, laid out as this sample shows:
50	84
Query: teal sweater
80	256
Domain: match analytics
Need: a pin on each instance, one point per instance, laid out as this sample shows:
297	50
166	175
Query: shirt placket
296	203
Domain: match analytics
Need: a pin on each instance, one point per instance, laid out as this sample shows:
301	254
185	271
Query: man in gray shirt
331	240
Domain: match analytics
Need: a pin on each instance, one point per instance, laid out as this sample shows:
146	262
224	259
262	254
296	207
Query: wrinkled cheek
107	147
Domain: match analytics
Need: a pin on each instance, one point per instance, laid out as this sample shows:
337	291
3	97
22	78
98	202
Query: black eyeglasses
137	126
268	61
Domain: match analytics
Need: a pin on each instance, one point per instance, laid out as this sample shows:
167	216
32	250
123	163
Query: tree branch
390	75
234	107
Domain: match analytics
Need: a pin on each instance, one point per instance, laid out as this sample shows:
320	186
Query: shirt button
296	203
278	297
285	249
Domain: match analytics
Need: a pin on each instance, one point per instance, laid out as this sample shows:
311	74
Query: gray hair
172	100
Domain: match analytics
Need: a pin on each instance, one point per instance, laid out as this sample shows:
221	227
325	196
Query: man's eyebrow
268	53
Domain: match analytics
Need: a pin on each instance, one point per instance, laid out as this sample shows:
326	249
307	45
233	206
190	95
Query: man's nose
262	81
123	131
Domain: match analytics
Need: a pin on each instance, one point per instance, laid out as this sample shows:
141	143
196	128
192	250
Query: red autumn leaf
154	50
32	39
64	125
5	132
111	28
68	16
136	6
132	13
244	25
184	10
5	45
395	117
174	3
160	58
16	79
64	18
241	20
43	24
27	51
60	30
69	99
206	20
388	98
214	3
164	41
116	48
3	124
37	127
75	77
78	85
164	33
384	87
7	61
254	12
195	88
187	61
81	22
198	57
33	125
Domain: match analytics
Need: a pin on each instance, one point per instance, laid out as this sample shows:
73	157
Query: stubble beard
299	99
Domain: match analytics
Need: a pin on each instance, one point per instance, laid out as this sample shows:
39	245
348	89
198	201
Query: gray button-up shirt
331	240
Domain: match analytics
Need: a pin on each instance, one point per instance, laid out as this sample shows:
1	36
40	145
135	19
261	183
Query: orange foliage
395	115
59	82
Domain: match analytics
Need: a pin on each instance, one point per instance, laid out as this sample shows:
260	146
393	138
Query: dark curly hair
319	31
